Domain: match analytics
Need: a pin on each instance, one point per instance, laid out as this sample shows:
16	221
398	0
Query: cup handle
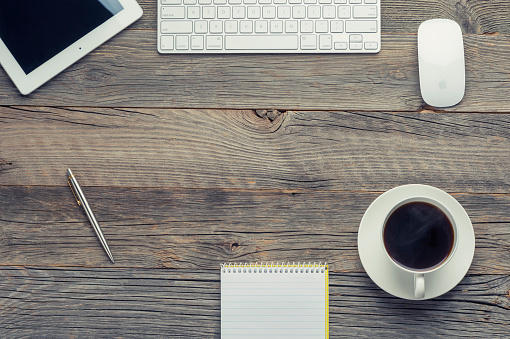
419	285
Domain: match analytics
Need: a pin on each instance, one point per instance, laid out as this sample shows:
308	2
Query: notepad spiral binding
274	268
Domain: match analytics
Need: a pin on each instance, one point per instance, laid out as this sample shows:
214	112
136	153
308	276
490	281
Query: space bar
268	42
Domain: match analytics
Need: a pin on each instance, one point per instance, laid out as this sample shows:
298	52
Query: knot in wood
234	246
270	114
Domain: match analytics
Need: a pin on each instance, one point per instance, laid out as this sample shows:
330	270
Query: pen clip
72	190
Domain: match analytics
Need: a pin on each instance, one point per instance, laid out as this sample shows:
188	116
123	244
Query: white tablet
39	39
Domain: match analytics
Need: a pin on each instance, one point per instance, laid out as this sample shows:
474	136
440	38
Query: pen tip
69	171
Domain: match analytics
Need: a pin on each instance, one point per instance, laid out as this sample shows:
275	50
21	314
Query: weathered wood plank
474	16
128	72
399	16
238	149
195	228
55	302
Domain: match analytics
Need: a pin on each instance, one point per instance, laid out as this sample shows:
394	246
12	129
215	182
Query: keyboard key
306	26
197	42
215	26
314	12
276	26
364	12
341	45
299	12
193	12
325	41
354	1
361	26
223	12
344	12
261	42
176	26
328	12
238	12
167	42
291	26
231	26
261	26
214	42
246	26
201	26
208	12
254	12
308	41
174	12
170	2
269	12
321	26
371	45
182	42
355	45
355	38
337	26
284	12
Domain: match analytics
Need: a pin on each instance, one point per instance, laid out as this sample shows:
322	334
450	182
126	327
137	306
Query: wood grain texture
202	228
129	72
237	149
474	16
399	16
138	303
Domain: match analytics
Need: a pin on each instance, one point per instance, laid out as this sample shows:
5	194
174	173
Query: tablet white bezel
26	83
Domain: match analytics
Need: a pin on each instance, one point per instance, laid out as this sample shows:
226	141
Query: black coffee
418	235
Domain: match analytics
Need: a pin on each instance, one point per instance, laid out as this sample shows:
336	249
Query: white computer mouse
441	62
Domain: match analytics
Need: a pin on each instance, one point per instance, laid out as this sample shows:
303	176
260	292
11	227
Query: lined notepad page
274	301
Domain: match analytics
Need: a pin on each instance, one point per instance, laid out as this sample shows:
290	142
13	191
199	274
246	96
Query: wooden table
193	161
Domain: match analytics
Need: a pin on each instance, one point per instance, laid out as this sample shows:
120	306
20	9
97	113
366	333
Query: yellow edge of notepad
327	301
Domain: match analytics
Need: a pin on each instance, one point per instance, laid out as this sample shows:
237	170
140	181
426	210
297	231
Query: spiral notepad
274	301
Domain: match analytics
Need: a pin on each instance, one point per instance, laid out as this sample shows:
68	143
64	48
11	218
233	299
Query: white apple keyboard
269	26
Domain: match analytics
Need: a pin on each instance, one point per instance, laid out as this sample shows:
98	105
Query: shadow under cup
419	235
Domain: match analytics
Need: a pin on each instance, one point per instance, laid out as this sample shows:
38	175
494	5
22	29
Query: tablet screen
35	30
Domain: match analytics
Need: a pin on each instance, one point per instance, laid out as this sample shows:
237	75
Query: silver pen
82	201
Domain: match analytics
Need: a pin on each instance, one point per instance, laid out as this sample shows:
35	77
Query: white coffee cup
420	273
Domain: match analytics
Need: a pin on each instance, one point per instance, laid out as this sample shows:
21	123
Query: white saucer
384	272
